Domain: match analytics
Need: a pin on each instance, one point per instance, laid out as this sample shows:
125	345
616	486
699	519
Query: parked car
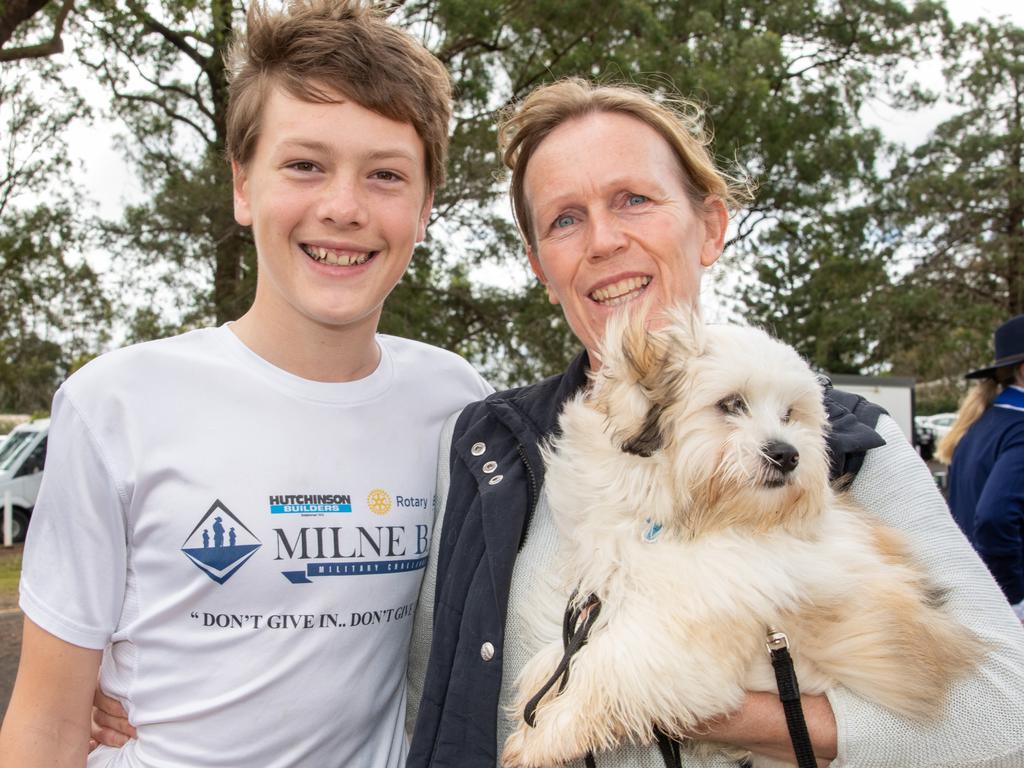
22	457
940	423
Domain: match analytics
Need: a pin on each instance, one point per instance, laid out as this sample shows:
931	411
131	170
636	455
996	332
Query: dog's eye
787	416
732	405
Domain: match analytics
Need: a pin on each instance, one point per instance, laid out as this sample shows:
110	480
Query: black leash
789	695
573	638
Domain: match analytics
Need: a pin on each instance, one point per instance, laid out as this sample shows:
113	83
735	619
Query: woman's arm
47	721
982	720
760	726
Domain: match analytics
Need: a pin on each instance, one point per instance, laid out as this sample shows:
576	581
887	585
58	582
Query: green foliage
957	207
819	284
784	84
52	307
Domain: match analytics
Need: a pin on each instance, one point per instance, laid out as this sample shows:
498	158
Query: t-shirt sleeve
982	719
419	649
74	569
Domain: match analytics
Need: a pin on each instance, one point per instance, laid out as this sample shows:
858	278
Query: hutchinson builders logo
220	543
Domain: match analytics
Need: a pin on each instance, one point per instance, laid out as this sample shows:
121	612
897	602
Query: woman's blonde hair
680	123
977	400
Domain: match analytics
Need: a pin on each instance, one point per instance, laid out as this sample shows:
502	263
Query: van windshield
11	449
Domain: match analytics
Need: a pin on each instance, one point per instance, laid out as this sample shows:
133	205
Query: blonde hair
977	400
680	123
316	50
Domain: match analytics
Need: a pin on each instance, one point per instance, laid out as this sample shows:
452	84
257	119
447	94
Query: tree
957	207
53	310
20	16
783	83
821	285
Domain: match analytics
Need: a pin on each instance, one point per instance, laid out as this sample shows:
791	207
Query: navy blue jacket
986	492
485	523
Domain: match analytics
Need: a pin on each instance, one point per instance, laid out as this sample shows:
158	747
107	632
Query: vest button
486	651
478	449
490	466
496	479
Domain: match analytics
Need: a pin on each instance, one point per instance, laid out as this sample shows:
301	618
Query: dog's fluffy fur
674	432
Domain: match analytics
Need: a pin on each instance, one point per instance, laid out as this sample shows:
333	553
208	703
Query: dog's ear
685	329
646	355
650	437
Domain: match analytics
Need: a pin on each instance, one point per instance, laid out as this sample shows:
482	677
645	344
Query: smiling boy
218	523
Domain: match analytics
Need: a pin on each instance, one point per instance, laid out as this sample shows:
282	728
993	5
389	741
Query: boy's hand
110	724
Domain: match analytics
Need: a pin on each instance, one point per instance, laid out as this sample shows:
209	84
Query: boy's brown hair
318	49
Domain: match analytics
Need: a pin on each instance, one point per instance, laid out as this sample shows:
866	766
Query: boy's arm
47	721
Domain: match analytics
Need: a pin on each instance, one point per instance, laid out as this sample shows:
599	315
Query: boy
240	515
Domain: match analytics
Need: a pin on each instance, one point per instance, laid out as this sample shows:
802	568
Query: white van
22	456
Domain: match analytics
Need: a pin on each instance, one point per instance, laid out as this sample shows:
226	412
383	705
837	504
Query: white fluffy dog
690	488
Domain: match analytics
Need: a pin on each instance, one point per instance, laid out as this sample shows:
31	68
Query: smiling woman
627	210
620	207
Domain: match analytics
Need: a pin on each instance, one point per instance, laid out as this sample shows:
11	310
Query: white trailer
894	393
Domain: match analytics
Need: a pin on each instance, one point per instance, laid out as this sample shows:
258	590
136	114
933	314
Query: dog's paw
516	750
533	748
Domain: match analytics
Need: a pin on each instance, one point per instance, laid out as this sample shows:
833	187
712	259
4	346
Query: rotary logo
379	501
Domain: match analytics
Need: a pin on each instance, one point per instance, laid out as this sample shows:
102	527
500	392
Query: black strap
573	638
789	695
669	749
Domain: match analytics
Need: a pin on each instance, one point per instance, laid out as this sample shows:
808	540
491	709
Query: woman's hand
760	726
110	724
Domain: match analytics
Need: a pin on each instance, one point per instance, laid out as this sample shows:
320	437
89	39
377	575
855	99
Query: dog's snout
783	455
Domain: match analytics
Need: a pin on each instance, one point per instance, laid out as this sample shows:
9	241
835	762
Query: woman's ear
716	222
538	270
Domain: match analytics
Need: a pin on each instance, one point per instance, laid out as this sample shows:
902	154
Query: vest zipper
531	498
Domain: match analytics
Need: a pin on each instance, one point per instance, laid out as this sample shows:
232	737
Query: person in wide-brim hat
985	450
1009	342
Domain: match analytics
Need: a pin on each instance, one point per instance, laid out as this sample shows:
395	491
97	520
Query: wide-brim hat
1009	340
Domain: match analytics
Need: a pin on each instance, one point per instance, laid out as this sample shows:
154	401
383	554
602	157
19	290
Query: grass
10	573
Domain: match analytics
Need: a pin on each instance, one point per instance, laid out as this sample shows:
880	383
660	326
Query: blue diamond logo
220	543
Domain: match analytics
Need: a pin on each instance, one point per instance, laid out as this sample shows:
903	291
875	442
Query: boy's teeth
337	258
620	292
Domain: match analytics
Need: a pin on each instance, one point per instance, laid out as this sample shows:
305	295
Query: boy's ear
240	187
538	270
428	206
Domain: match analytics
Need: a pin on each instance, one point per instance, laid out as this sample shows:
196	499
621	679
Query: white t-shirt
246	545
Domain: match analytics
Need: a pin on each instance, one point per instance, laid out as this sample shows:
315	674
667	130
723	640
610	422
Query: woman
618	201
985	451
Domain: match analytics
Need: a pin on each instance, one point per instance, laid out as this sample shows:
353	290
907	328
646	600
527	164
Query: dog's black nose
782	455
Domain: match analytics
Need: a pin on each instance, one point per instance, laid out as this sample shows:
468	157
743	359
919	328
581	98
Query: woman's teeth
620	292
337	258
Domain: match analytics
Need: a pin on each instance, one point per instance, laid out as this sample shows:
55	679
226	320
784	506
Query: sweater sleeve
419	648
982	723
999	520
